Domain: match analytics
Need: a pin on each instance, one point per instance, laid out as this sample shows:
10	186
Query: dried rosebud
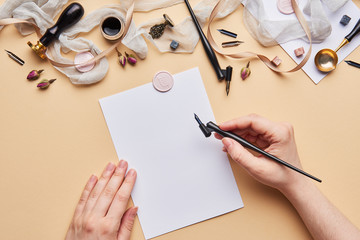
33	75
245	72
43	84
131	58
122	59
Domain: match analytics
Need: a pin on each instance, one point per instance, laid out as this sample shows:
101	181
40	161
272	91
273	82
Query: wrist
298	188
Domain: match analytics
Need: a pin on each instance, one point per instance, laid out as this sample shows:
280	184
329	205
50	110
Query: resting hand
101	212
275	138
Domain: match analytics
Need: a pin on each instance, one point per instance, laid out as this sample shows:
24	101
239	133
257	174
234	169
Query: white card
183	177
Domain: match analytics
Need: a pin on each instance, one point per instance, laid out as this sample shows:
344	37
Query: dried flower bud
245	72
131	58
43	84
122	59
33	75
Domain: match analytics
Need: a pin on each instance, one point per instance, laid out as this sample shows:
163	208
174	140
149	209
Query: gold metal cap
39	49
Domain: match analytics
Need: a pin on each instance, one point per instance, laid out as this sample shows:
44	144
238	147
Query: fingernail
92	178
131	173
110	167
134	211
122	164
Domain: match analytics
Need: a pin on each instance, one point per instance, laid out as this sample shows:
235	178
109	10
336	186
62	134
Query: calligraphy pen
212	127
220	73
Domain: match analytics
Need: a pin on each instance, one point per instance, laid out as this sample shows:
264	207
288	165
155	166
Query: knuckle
128	180
88	187
77	225
90	225
289	126
103	178
237	155
287	129
82	200
253	115
119	173
109	192
121	197
94	194
129	225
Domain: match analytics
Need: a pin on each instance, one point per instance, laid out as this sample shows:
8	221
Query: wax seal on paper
83	57
163	81
285	6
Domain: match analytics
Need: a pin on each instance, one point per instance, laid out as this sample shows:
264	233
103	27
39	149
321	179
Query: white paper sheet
183	177
333	41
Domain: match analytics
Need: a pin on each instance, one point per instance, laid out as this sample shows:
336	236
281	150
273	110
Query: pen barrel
248	145
71	15
354	32
208	49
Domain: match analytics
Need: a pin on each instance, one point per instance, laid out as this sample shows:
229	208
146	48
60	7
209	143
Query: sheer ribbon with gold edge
128	19
263	58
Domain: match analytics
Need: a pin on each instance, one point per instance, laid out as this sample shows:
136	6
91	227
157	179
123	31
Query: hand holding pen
276	139
323	219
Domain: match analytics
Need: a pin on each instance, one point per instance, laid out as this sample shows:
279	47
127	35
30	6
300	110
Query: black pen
212	127
354	64
207	46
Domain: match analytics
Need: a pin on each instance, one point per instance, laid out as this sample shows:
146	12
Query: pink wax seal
285	6
83	57
163	81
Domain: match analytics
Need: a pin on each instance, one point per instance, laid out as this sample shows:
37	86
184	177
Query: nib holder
207	47
71	15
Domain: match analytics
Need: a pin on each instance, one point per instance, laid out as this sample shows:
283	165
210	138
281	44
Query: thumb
239	154
127	223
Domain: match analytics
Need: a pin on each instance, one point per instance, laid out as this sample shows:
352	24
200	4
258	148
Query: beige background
52	141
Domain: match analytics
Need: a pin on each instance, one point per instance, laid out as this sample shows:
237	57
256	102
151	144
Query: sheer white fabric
42	13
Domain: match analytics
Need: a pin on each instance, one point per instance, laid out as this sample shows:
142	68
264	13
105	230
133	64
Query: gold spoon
327	59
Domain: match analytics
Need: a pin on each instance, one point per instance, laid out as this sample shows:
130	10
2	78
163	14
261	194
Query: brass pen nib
231	44
15	58
227	88
228	76
205	130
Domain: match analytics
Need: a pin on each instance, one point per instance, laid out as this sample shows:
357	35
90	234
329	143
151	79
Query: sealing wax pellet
83	57
285	6
276	61
174	45
299	52
345	20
